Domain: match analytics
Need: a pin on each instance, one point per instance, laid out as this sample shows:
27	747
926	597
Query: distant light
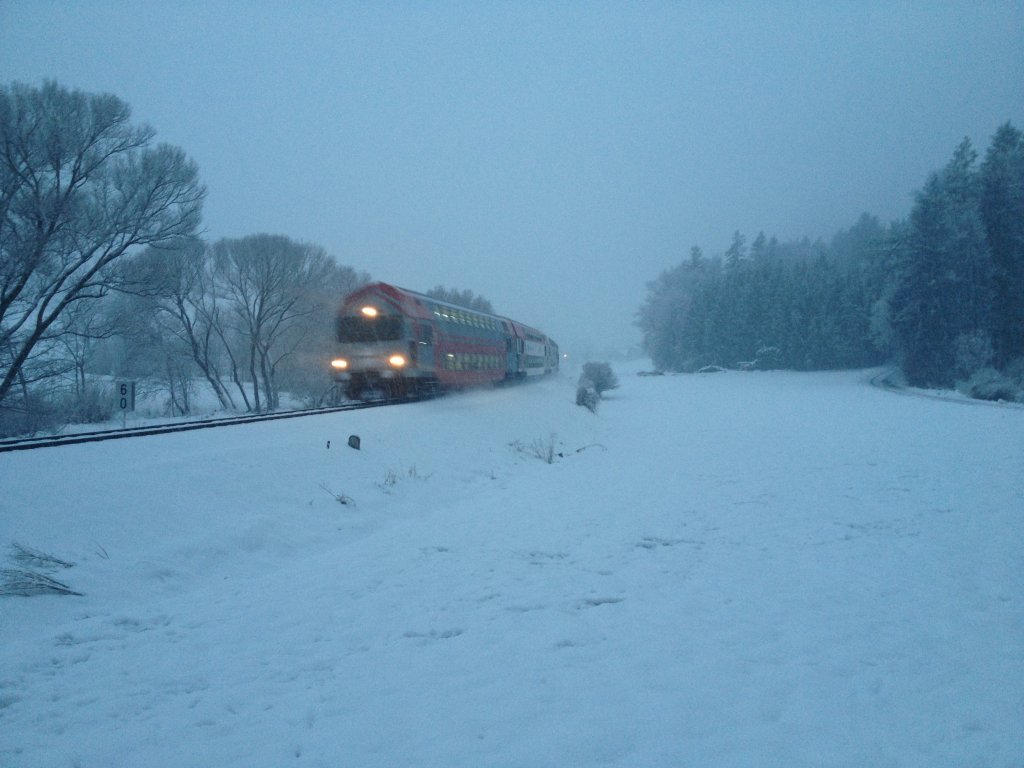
397	361
369	311
340	364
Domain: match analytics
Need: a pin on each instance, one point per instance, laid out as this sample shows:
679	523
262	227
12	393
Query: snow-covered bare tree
80	187
78	331
176	289
269	282
306	374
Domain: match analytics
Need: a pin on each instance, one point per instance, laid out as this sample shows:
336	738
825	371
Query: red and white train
394	343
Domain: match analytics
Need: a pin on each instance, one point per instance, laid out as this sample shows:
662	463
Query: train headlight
339	364
397	361
369	311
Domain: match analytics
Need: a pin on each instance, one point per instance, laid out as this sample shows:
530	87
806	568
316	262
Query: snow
769	569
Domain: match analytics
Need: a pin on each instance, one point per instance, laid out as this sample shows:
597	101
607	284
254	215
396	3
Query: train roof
398	291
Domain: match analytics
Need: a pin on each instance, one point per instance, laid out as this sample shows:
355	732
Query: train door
510	358
425	346
511	353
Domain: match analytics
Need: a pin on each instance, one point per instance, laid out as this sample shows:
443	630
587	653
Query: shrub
26	417
541	448
93	405
600	375
587	396
768	359
990	384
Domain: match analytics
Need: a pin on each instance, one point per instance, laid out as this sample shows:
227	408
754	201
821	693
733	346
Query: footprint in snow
433	634
594	602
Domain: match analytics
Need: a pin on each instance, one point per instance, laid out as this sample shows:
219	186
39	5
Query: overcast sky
553	157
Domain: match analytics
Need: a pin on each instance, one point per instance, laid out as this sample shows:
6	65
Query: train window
363	329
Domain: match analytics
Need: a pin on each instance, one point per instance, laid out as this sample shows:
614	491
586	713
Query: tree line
940	293
102	274
249	316
101	271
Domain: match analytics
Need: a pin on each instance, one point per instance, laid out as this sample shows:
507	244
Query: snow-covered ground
738	569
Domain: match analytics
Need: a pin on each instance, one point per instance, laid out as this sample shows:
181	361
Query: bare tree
79	188
78	331
306	373
269	281
150	351
177	289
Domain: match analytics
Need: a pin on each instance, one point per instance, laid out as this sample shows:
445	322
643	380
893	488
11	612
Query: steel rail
51	441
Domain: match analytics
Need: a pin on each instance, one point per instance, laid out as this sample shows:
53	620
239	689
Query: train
395	344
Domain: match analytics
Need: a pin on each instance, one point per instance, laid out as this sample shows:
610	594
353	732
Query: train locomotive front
395	343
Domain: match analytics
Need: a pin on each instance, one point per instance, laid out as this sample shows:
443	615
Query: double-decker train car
394	343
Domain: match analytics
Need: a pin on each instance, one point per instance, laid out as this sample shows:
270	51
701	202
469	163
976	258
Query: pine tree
945	289
737	251
1002	210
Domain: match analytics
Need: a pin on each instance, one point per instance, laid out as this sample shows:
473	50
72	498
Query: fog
551	157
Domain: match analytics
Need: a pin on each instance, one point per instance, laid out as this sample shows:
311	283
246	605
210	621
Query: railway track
50	441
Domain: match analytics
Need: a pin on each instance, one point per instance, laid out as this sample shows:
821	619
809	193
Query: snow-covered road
768	569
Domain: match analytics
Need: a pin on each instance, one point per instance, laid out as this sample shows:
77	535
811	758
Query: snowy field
738	569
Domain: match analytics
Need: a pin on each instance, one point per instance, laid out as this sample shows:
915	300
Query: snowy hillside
761	569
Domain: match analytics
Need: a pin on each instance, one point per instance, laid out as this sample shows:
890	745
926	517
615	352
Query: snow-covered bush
586	395
542	448
93	405
768	359
990	384
600	375
47	409
26	416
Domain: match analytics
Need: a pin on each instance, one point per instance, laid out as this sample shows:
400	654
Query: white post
125	397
